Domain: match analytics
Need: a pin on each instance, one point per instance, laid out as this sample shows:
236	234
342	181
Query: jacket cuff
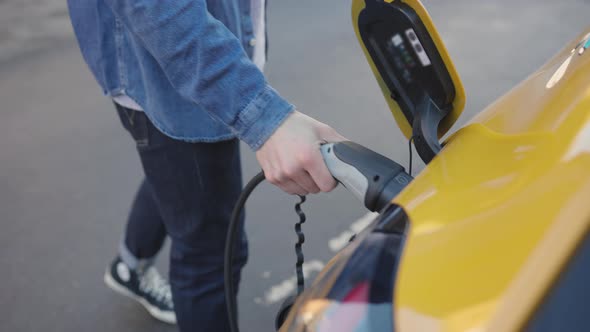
261	117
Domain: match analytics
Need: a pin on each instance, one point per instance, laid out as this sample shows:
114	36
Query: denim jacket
185	62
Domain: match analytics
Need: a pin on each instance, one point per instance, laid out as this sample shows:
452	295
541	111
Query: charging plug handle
373	178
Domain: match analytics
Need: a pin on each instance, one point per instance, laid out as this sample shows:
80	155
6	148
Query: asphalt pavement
68	170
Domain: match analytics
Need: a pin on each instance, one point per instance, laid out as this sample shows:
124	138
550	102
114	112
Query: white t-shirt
257	12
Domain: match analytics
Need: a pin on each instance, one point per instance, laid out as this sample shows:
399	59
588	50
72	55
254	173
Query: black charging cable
230	296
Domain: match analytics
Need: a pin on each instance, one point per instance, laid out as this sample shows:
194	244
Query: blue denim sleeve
206	64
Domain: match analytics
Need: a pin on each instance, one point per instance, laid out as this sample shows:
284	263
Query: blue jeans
188	193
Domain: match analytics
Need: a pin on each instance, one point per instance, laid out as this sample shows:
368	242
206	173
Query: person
185	77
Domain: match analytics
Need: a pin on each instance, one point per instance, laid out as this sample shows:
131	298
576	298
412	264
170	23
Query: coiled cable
298	245
230	296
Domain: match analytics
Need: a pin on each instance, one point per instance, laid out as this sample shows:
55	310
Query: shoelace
152	283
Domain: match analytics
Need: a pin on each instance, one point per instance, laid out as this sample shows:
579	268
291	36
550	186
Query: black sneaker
146	286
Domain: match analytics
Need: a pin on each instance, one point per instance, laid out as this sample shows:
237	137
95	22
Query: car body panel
496	214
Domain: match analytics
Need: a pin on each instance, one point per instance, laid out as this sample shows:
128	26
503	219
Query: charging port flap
412	66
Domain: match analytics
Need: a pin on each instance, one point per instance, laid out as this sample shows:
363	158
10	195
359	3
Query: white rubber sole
166	317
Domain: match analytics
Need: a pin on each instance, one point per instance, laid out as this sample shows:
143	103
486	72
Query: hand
291	157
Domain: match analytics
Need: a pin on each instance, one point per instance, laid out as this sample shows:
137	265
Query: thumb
330	135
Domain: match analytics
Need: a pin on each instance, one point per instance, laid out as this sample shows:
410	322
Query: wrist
261	117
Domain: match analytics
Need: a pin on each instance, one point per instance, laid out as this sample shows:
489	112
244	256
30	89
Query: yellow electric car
493	235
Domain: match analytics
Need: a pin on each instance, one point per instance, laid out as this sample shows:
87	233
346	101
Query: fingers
317	167
305	181
289	183
320	174
301	175
293	188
